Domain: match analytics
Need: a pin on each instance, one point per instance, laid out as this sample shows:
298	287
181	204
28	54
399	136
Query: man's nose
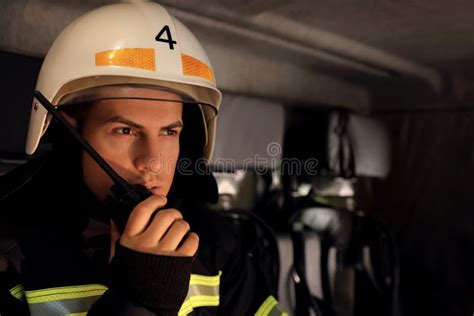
148	155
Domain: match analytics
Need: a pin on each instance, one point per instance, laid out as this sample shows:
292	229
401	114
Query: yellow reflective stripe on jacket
63	293
68	300
203	291
17	292
205	280
77	300
270	307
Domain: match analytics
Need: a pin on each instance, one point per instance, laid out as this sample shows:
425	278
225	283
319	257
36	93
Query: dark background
427	198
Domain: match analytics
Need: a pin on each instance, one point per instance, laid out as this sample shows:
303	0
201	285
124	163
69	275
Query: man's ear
71	120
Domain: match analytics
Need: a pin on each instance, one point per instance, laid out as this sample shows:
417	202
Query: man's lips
156	190
152	187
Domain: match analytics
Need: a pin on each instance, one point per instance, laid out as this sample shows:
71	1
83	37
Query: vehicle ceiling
338	53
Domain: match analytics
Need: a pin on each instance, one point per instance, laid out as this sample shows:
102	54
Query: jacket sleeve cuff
158	282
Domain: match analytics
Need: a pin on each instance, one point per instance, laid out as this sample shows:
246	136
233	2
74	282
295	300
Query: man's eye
171	132
124	131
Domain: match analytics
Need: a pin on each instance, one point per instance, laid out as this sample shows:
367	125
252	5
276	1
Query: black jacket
54	248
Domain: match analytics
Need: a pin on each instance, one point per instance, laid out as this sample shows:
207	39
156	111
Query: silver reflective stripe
62	307
270	307
195	290
63	300
277	311
203	291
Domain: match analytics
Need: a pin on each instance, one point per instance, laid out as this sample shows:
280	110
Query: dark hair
79	111
193	136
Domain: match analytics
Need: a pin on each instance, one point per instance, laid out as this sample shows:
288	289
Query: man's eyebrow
123	120
177	124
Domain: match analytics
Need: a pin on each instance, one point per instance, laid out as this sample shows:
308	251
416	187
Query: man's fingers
161	223
114	231
174	236
166	234
189	246
141	214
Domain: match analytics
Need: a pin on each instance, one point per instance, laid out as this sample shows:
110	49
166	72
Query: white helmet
131	44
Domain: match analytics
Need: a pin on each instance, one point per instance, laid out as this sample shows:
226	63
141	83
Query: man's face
138	138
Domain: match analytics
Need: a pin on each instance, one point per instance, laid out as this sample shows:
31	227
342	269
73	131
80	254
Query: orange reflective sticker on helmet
143	58
194	67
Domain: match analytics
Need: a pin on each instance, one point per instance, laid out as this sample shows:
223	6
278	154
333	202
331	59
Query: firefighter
139	88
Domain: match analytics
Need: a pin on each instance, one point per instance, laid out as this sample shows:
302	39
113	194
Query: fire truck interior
344	148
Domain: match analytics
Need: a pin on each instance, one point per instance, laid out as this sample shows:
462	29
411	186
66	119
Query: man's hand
166	234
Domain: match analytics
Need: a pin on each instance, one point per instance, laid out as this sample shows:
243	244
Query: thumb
114	236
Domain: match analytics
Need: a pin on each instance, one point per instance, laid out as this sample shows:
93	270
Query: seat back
248	147
352	265
18	80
